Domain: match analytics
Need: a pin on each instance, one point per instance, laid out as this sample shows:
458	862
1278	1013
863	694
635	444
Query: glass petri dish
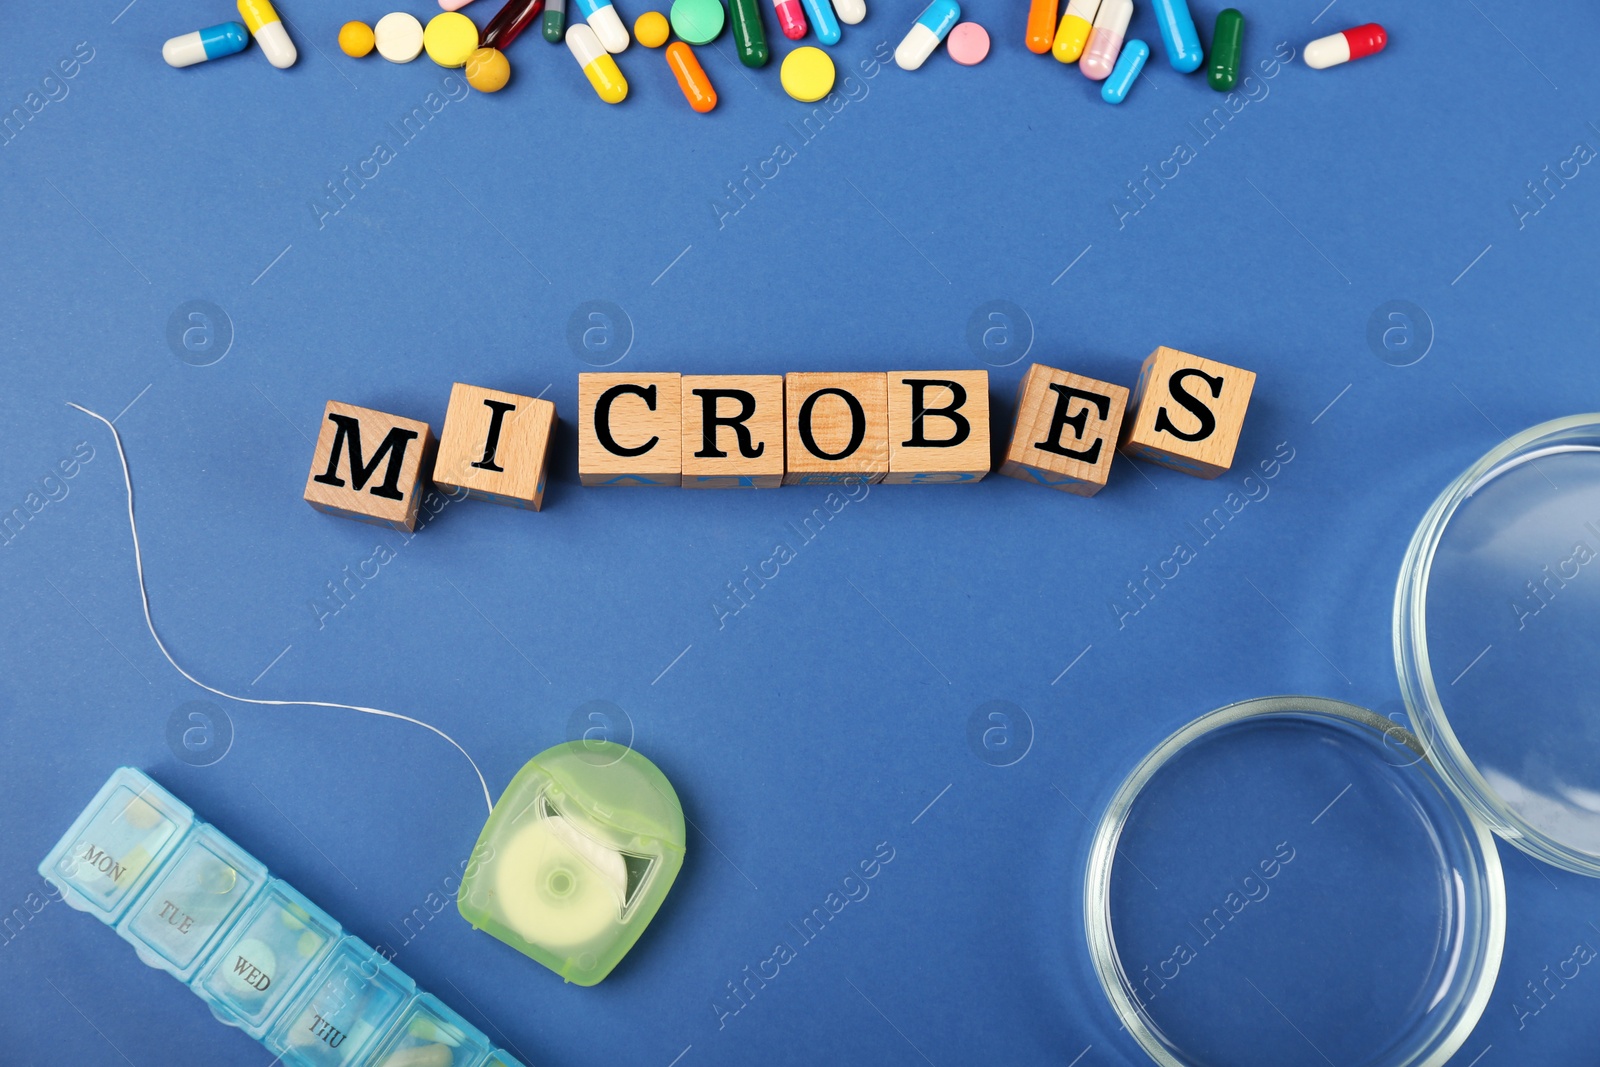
1497	639
1288	881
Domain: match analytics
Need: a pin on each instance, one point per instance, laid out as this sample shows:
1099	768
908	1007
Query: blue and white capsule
1178	35
931	28
607	25
824	23
1114	90
226	39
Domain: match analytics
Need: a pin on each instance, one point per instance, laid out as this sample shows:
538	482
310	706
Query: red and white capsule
1357	42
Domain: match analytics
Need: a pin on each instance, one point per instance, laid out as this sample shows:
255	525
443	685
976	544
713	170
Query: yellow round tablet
651	29
450	38
355	39
487	70
807	74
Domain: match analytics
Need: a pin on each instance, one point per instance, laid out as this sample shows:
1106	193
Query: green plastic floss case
576	858
1245	842
262	957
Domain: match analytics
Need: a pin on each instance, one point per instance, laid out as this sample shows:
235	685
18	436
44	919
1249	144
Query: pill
1123	75
418	1056
253	972
697	21
691	77
1073	31
262	20
823	21
1105	39
807	74
355	39
850	12
1178	35
926	33
431	1031
749	36
508	24
141	814
1041	25
791	19
454	5
1357	42
1226	45
450	38
597	64
398	37
968	44
555	21
607	25
214	42
308	944
488	70
651	29
217	879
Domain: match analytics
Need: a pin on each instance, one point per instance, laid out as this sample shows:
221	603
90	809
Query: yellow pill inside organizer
450	39
807	74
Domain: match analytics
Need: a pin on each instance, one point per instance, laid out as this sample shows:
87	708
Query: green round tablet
697	21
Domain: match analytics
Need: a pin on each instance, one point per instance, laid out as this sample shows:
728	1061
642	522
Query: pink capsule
1105	39
791	18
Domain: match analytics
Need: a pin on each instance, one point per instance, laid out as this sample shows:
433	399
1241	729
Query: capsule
1041	25
606	24
1178	35
597	64
508	25
791	19
823	22
749	36
1074	30
1226	45
850	12
926	33
211	43
555	20
691	77
267	28
1125	73
1105	40
1358	42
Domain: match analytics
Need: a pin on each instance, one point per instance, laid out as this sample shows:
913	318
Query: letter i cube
495	446
370	466
1188	412
1066	430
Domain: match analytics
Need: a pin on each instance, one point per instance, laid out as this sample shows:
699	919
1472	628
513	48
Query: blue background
833	710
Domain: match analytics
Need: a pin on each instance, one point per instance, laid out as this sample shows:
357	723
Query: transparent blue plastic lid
1287	882
1497	639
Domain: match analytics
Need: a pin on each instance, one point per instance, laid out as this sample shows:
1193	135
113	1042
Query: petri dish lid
1497	631
1288	881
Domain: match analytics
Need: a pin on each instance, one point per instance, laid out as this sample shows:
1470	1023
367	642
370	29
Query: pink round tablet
968	44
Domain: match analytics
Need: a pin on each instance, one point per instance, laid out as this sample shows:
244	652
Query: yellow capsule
1073	33
597	64
262	20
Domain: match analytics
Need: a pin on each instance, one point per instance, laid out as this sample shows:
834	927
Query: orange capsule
1041	25
691	77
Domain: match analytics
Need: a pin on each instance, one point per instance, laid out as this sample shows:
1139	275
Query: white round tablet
399	37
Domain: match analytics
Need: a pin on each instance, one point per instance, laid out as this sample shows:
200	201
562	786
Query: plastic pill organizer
263	957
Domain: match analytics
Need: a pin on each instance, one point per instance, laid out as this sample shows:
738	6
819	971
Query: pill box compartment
208	881
428	1034
273	949
576	858
340	1015
116	844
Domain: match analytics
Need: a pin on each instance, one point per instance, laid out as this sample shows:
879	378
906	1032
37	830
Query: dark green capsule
749	36
1227	44
555	21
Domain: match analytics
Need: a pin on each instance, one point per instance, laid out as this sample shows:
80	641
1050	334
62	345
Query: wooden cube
938	427
837	428
630	429
495	446
1188	412
1066	430
370	466
732	431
